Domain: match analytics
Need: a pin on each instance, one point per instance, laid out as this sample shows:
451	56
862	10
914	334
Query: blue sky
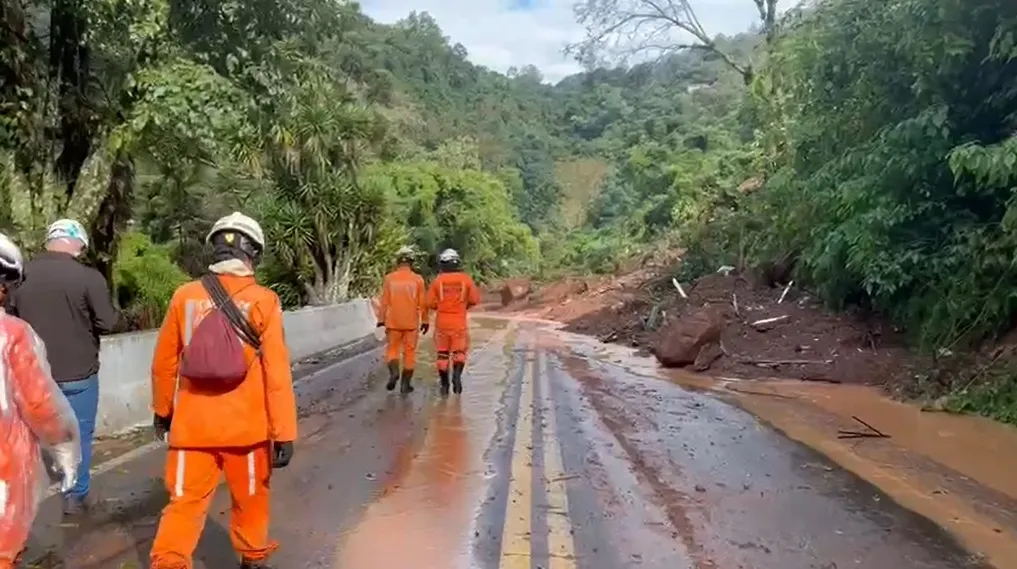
506	33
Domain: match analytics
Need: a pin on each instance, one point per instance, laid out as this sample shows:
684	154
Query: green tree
326	226
467	210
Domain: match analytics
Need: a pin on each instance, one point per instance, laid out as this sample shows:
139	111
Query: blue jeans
83	395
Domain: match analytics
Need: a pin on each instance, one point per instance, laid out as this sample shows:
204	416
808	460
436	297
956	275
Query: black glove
161	426
282	452
424	328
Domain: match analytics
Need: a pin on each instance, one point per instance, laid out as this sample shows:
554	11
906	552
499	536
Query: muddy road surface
553	458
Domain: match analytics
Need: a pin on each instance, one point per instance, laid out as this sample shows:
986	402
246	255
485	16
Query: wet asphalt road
554	458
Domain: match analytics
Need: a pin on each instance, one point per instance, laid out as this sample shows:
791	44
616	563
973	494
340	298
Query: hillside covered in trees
864	147
346	138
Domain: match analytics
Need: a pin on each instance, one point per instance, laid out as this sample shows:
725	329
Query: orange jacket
451	295
262	408
403	300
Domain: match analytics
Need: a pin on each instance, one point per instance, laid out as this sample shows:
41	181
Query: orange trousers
404	341
454	343
192	476
18	486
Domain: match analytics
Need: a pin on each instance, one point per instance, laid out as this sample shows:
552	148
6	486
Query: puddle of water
974	446
423	515
954	470
480	322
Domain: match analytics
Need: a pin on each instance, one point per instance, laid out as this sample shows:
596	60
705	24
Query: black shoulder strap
225	303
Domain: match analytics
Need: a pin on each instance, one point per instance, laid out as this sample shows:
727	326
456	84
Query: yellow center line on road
517	537
560	541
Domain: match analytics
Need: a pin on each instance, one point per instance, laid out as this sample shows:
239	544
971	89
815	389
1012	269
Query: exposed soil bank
765	332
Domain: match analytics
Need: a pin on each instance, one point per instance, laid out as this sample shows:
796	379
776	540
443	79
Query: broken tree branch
822	379
762	393
868	426
791	362
783	294
766	321
771	363
871	433
768	363
854	435
678	286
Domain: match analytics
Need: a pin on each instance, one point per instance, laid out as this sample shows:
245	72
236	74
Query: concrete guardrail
125	389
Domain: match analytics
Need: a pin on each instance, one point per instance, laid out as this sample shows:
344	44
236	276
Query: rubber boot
457	377
393	375
406	386
443	383
248	564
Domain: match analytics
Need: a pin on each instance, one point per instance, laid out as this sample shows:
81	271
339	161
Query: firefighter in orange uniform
403	312
243	432
34	414
451	295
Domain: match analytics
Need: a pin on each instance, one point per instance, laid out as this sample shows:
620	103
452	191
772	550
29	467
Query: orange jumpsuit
451	295
222	433
33	411
403	309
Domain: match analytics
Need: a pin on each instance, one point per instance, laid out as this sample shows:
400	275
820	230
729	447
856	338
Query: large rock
514	290
691	339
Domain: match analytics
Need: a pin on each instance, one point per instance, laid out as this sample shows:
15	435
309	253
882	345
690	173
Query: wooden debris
870	433
653	319
822	380
763	393
783	294
771	363
609	338
765	324
678	286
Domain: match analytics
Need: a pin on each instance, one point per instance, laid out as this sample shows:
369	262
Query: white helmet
448	256
240	223
405	251
67	229
12	264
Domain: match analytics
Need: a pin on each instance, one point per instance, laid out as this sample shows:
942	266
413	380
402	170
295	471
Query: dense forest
865	148
148	119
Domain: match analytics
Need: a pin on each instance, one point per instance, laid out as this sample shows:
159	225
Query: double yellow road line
517	543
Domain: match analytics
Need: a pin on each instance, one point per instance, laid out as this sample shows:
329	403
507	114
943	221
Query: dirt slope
803	341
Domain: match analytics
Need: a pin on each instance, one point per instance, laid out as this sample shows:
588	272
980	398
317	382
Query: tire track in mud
673	502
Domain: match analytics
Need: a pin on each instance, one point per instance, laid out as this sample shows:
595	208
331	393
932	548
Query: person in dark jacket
69	306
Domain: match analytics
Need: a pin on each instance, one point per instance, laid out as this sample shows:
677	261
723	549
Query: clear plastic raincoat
34	414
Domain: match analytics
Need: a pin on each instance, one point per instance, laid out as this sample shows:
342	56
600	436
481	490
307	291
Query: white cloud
499	37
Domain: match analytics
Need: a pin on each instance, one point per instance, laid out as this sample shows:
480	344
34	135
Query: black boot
248	564
393	375
457	377
406	386
74	505
443	381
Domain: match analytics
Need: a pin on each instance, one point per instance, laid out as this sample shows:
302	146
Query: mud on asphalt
128	475
654	476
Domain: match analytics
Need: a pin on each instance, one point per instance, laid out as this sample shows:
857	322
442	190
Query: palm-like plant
321	221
